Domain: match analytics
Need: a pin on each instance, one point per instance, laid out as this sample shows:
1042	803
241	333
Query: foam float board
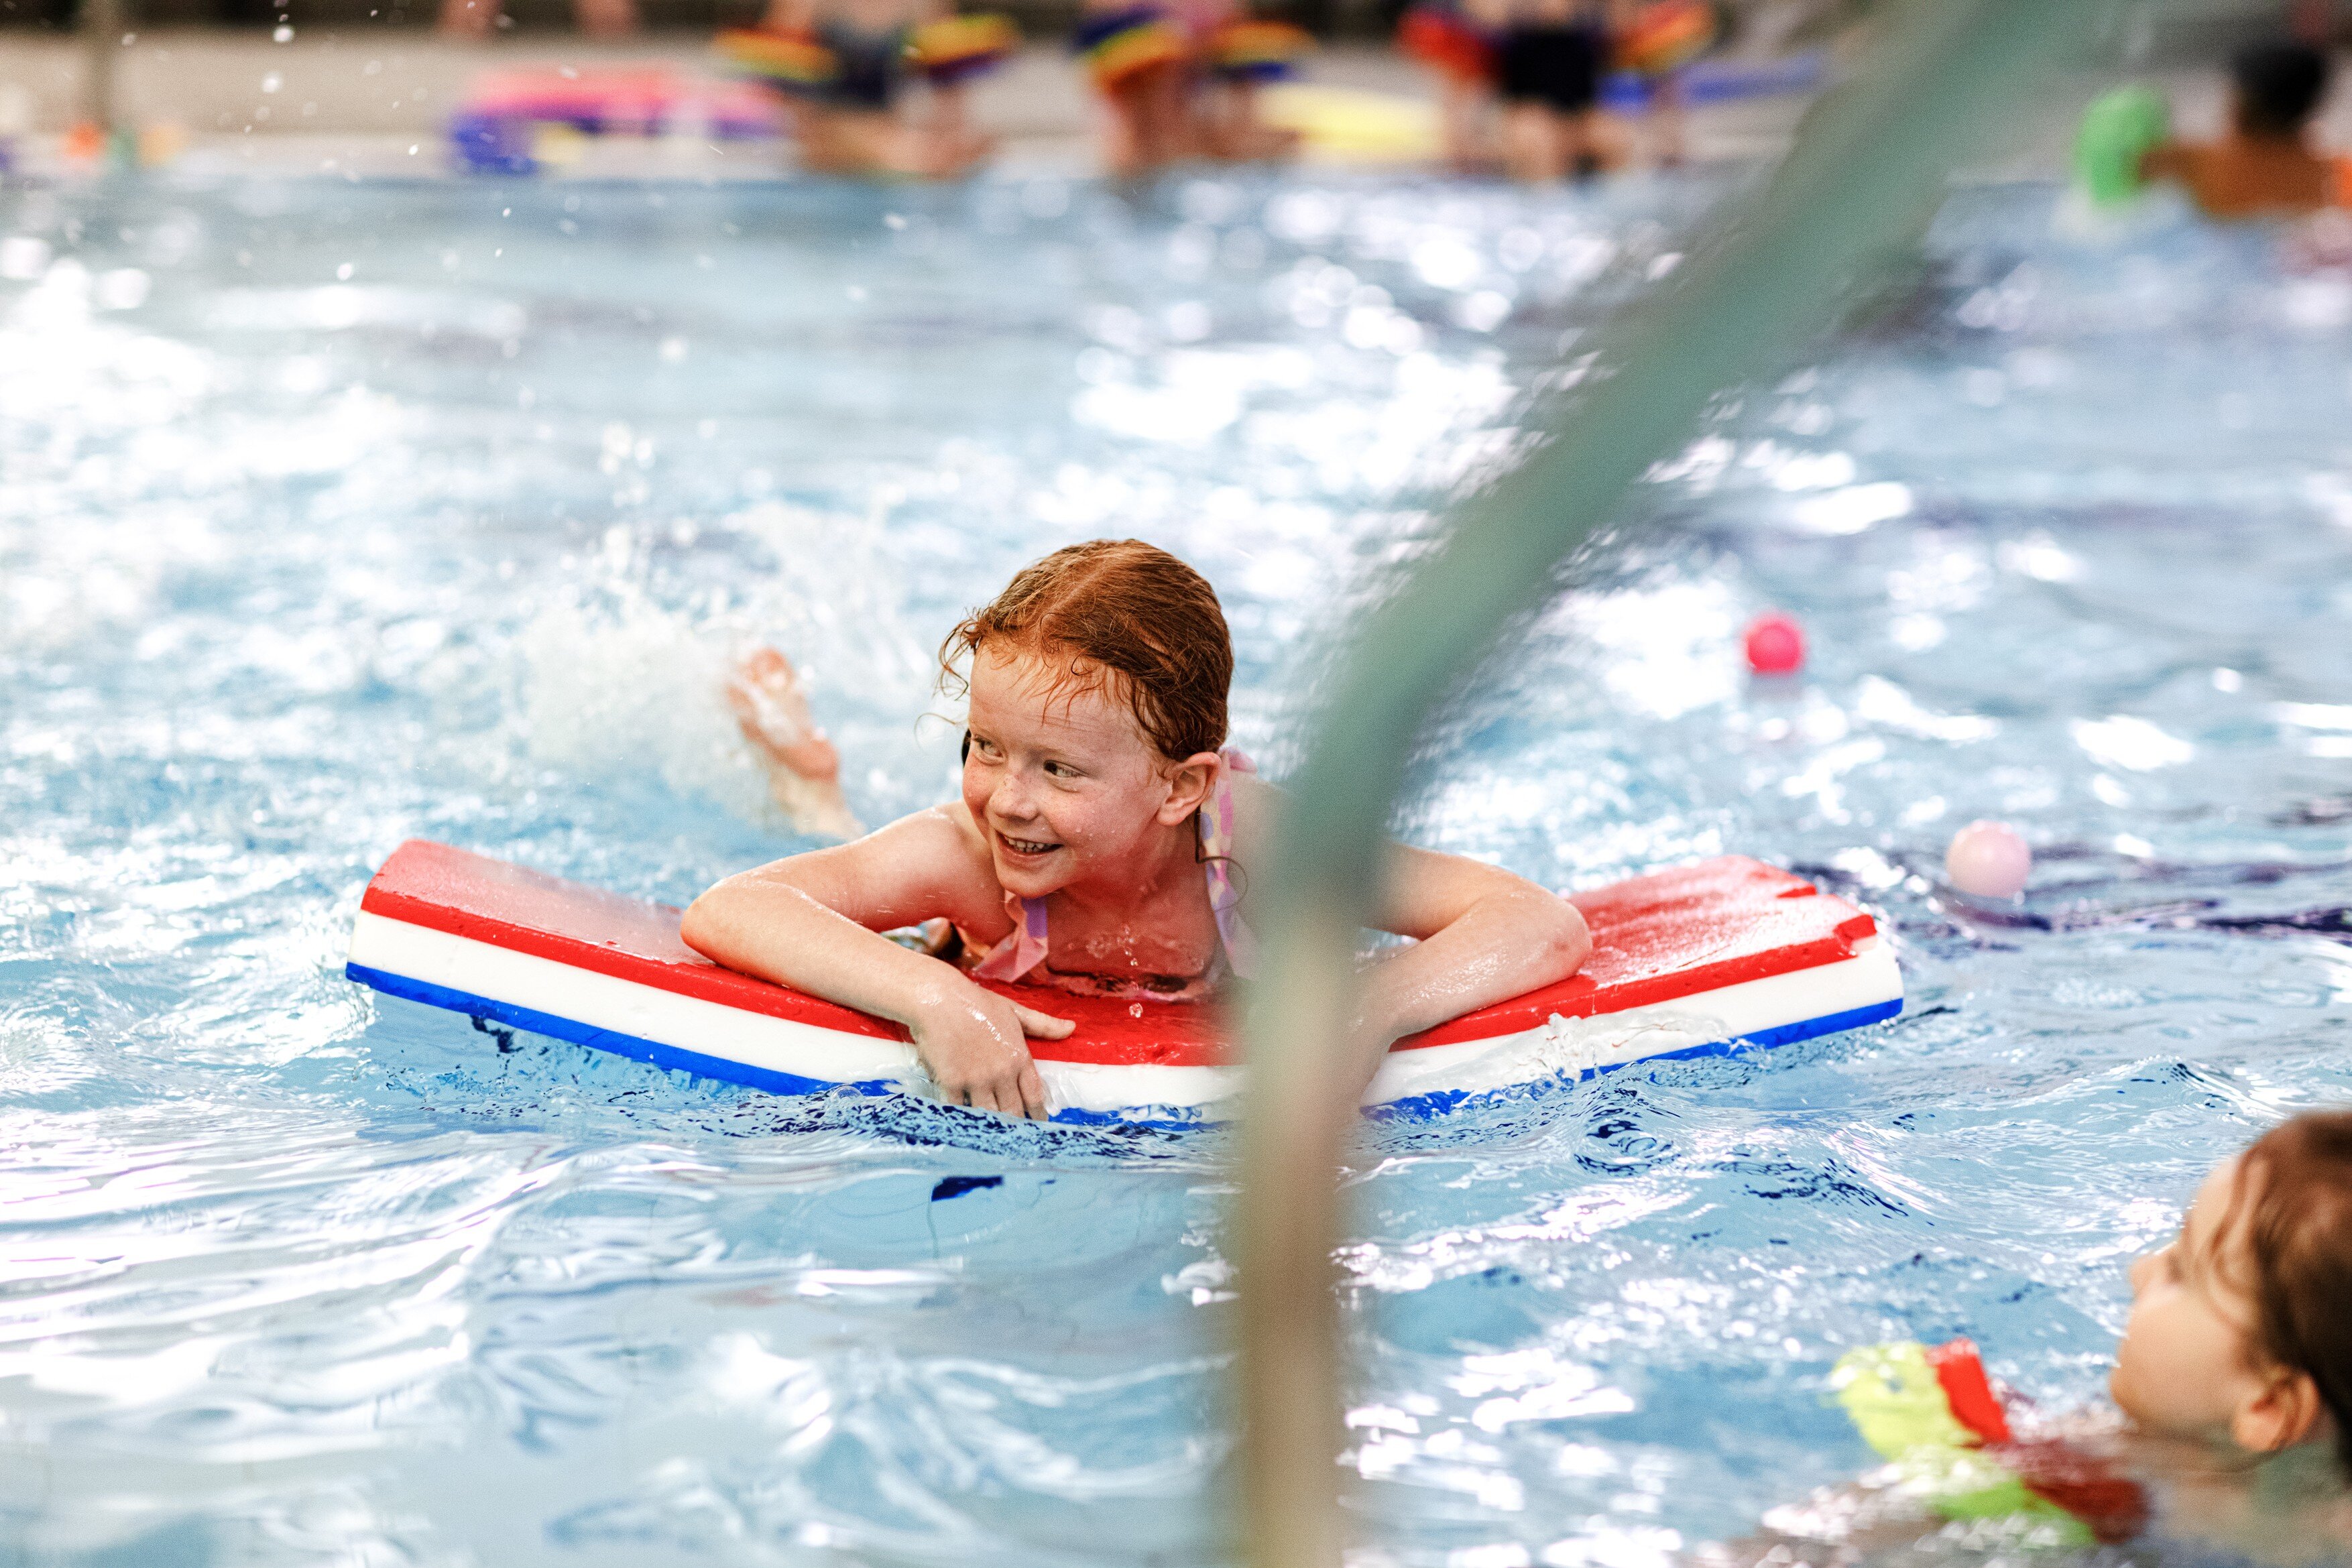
1723	955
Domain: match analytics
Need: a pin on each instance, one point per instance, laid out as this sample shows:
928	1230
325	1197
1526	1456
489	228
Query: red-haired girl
1102	842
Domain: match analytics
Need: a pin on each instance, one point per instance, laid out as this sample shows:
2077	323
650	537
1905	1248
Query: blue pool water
296	562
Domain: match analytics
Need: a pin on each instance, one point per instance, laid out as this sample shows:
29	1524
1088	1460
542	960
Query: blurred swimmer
1459	41
1140	60
2264	165
1181	81
843	67
1654	39
1100	845
1240	56
803	767
2234	1377
952	51
1548	69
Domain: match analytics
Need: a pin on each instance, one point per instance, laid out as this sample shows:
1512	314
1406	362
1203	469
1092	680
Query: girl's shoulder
962	841
1252	792
936	857
1257	805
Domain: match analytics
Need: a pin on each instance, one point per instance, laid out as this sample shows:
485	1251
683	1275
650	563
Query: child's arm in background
812	922
2172	161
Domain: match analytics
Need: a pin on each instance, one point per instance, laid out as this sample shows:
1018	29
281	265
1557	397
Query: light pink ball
1988	859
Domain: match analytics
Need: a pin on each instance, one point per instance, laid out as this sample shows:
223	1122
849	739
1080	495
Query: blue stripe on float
1829	1023
1171	1117
1418	1107
1439	1102
629	1045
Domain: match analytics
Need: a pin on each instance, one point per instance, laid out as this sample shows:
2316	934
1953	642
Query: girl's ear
1190	784
2286	1411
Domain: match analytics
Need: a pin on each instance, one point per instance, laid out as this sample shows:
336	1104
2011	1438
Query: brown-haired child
2234	1377
2236	1364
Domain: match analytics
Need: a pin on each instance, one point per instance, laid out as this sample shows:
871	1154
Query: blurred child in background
1548	73
844	66
1182	82
1139	61
1239	55
952	51
1459	41
1654	40
1547	59
2264	165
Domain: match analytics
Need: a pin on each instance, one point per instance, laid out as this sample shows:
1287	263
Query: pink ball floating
1774	644
1988	859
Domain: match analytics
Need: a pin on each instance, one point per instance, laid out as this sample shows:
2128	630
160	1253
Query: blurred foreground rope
1868	171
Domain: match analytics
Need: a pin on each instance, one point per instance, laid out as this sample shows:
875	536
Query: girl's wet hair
1117	613
2295	1205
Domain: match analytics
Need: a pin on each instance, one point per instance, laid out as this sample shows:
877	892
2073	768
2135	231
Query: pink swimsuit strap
1024	947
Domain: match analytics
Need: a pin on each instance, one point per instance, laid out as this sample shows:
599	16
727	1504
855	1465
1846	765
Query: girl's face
2188	1362
1064	782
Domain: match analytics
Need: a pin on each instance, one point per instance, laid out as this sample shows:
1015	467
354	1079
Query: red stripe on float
1655	939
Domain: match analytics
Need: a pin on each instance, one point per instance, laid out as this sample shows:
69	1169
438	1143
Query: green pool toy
1901	1399
2118	130
1935	1415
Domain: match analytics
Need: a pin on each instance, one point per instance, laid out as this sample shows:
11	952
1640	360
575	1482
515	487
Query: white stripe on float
809	1050
756	1040
624	1006
1869	979
1127	1086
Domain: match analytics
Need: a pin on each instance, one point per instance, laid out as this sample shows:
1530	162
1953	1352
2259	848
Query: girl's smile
1025	848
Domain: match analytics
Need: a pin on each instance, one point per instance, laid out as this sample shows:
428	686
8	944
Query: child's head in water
1098	682
2241	1331
2278	87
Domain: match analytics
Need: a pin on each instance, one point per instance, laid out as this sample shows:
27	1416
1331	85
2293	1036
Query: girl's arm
812	922
1480	933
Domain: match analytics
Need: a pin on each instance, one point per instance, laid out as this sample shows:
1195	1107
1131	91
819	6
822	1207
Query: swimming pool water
332	514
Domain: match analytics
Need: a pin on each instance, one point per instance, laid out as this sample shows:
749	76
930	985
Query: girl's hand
974	1044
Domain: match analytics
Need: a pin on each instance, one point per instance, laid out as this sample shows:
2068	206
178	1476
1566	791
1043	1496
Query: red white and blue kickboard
1725	955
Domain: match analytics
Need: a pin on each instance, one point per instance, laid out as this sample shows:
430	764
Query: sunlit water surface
333	514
